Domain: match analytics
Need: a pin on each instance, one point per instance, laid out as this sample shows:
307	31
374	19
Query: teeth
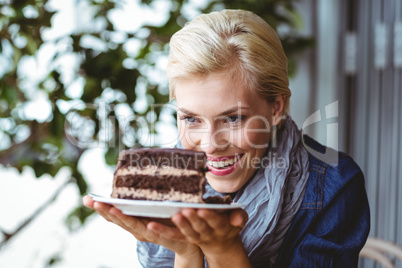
221	164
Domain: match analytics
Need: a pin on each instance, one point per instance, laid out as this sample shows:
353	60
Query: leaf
126	81
9	94
111	155
92	90
102	65
56	126
54	260
80	181
40	168
19	3
78	216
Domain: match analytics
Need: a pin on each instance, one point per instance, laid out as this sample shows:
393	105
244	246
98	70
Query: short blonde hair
237	42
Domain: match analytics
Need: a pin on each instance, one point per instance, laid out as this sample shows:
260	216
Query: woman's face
224	119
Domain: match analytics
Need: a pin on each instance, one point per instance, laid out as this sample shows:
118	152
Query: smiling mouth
224	163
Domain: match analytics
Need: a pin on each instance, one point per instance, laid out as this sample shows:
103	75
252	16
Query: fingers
107	212
197	227
133	225
204	221
185	226
200	224
87	201
104	210
238	218
142	229
171	238
204	227
166	231
215	221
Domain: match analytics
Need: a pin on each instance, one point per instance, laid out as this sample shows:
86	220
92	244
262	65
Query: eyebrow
226	112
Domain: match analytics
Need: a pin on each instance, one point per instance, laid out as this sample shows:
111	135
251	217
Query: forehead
214	92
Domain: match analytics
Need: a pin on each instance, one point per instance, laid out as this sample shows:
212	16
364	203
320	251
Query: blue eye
189	120
234	119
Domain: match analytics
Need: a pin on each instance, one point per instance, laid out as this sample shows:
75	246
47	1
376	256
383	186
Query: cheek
183	136
188	138
256	135
254	141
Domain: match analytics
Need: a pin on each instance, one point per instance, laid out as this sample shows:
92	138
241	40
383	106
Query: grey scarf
271	198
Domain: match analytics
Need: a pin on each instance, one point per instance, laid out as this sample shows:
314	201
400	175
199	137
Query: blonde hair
236	42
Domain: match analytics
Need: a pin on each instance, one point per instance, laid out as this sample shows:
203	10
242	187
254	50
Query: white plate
157	209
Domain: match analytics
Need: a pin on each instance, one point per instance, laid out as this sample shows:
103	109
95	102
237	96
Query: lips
222	166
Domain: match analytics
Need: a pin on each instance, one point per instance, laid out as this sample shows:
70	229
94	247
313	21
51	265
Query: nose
214	140
210	138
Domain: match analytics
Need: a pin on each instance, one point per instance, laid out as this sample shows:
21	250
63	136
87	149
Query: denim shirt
333	221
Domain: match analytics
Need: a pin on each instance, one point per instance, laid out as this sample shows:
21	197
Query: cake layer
156	171
149	194
161	183
169	157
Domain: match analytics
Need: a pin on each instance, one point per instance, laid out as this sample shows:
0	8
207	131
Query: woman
228	73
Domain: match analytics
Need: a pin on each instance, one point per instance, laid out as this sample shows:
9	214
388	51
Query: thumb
238	218
88	202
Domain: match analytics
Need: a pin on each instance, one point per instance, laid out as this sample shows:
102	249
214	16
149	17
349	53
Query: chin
226	188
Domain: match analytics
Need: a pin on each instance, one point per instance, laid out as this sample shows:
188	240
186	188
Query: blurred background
81	80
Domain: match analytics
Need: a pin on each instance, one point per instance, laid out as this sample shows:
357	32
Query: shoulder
330	159
331	172
333	221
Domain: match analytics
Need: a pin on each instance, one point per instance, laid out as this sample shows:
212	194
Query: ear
277	109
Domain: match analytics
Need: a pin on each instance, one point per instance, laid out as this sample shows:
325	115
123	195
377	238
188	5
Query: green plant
109	76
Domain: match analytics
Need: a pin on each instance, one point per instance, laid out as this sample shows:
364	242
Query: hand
212	232
144	230
217	235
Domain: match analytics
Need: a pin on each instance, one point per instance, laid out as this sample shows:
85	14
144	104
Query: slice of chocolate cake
160	174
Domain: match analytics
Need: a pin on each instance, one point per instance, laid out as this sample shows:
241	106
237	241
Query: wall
358	62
